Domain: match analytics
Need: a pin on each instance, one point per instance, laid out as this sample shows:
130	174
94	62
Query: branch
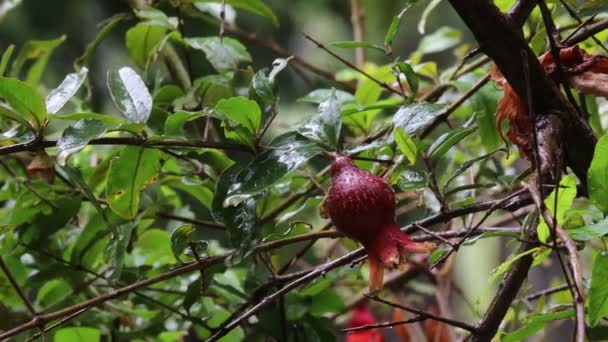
586	31
515	201
357	19
32	146
352	66
502	41
426	315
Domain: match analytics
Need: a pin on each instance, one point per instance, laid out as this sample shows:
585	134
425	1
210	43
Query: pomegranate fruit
362	206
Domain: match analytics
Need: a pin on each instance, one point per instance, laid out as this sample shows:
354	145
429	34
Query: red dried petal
362	316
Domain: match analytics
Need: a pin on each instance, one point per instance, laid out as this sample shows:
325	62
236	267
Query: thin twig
425	314
385	324
352	66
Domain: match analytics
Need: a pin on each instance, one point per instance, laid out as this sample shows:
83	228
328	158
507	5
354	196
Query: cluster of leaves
93	201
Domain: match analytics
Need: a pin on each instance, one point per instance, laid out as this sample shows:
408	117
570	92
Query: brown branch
17	288
585	32
385	324
426	315
573	259
502	41
33	146
512	204
357	19
352	66
547	292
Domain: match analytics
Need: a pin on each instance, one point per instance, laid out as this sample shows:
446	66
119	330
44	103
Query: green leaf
505	266
319	95
107	119
448	140
109	25
326	302
566	195
154	245
130	94
59	96
325	128
175	122
130	173
415	117
254	6
182	237
242	119
411	180
394	27
242	225
286	153
143	41
25	100
589	232
52	292
224	54
75	176
80	334
239	216
6	57
36	54
440	40
156	17
597	177
535	323
465	166
598	292
406	145
76	137
410	75
356	44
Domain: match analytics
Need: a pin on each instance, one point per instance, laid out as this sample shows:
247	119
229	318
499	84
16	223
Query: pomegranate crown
340	162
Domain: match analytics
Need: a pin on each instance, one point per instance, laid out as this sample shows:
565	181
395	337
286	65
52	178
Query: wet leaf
325	128
440	40
76	137
415	117
286	153
254	6
130	173
223	54
319	95
59	96
130	94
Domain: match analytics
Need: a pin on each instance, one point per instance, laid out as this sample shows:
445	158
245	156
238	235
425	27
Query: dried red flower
362	316
588	74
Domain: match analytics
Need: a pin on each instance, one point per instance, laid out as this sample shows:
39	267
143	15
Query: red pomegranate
362	206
